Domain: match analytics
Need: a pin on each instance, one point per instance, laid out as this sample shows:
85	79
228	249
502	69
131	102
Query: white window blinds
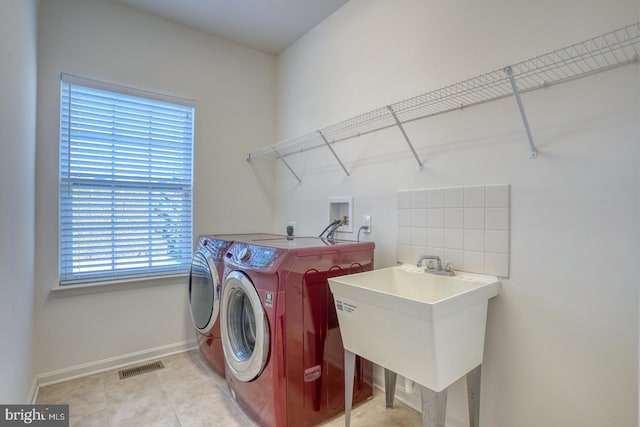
125	182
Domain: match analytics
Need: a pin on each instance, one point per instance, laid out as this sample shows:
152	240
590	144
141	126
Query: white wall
18	35
233	88
562	336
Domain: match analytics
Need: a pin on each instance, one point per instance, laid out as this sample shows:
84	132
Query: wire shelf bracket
333	152
406	138
285	163
533	151
602	53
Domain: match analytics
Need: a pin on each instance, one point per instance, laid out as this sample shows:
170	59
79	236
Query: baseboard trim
33	392
109	364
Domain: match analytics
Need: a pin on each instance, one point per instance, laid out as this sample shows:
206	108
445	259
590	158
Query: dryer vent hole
143	369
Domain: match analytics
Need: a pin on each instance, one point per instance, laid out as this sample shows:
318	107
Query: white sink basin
425	327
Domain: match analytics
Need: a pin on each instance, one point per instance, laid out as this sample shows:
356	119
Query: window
125	182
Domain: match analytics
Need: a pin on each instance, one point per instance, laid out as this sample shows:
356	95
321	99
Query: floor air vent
143	369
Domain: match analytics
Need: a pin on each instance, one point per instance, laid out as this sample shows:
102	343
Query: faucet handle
448	267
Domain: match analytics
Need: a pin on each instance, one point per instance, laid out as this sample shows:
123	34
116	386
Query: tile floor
184	394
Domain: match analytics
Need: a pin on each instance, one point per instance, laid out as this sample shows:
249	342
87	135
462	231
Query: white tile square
496	241
419	199
404	199
418	236
435	237
473	262
453	197
403	253
453	217
435	198
453	238
496	196
418	251
496	264
497	219
403	236
474	218
474	240
432	251
435	218
455	257
474	197
418	217
404	217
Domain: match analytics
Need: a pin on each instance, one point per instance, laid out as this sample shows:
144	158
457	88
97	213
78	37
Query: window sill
119	285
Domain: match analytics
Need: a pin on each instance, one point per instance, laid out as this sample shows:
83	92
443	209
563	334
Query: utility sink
425	327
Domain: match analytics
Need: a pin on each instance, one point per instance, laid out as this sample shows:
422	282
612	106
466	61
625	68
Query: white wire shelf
607	51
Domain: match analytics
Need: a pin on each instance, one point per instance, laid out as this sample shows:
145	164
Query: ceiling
267	25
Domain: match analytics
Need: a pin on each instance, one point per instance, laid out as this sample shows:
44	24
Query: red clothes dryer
205	287
207	267
280	332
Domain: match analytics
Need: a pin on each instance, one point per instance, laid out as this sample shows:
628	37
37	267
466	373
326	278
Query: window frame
154	189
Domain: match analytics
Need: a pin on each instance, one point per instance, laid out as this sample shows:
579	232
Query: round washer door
204	291
245	329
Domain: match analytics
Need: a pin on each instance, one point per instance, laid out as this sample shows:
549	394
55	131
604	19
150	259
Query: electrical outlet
291	228
366	222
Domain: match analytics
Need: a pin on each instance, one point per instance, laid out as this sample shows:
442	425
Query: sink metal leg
434	407
389	387
473	395
349	371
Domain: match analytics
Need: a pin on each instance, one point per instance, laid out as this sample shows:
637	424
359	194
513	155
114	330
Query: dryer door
245	329
204	291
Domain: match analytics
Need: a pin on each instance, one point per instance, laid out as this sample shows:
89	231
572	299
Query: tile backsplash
467	226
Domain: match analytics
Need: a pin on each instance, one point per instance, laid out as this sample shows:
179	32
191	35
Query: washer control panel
250	256
217	248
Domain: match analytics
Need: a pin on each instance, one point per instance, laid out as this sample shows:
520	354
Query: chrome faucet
447	271
434	257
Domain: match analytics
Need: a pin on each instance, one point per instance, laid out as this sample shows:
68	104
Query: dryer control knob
244	254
